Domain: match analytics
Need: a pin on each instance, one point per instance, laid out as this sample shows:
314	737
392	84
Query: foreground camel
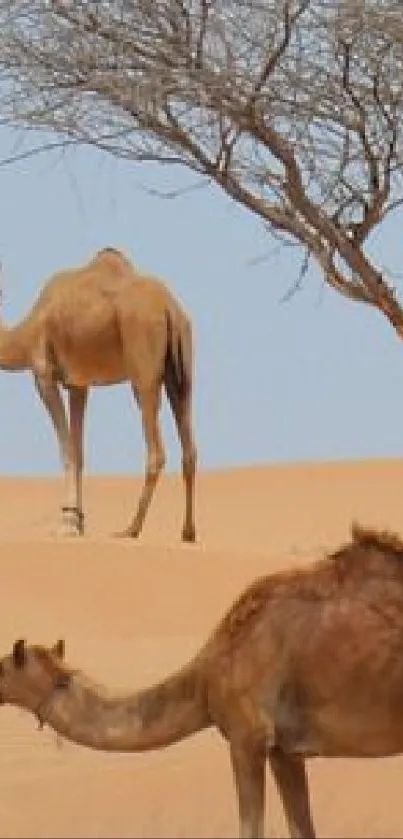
307	662
102	324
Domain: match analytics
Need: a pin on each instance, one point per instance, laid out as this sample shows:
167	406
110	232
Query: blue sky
316	378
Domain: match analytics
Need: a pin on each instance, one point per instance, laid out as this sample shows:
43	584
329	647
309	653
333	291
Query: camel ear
59	648
19	653
63	680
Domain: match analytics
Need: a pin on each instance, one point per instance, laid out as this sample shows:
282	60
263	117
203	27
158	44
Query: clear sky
316	378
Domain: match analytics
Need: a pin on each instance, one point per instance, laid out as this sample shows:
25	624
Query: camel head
30	675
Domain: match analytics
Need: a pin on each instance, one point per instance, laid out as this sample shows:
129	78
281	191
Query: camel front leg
290	776
149	403
77	404
53	402
248	764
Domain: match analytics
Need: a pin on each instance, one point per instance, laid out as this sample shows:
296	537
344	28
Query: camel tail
171	710
179	357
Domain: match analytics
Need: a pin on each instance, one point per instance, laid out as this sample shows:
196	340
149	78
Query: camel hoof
72	522
69	529
189	535
128	533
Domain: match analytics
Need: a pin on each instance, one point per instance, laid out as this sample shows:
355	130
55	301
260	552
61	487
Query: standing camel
102	324
307	662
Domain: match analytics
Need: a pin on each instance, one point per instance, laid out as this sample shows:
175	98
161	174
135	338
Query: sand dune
131	612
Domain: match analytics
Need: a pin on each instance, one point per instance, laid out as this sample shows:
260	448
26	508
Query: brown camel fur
102	324
307	662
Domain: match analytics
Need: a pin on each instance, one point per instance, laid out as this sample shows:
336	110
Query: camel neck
149	719
13	347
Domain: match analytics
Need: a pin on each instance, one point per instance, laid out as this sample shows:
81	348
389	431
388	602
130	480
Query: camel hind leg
181	406
149	404
143	336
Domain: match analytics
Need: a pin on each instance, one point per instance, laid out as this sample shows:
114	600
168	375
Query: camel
102	324
307	662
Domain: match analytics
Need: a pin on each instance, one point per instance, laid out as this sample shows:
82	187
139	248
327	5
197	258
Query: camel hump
113	259
381	540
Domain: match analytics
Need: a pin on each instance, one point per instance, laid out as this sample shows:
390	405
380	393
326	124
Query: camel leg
248	764
149	403
290	775
77	404
53	402
181	406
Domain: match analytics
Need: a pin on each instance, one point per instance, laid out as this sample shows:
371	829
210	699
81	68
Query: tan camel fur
102	324
307	662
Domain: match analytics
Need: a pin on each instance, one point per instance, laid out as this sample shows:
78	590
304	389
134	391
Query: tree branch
293	108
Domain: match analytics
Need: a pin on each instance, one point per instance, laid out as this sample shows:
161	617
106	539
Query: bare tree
293	107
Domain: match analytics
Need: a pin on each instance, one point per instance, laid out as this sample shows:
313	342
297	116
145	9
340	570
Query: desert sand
133	611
